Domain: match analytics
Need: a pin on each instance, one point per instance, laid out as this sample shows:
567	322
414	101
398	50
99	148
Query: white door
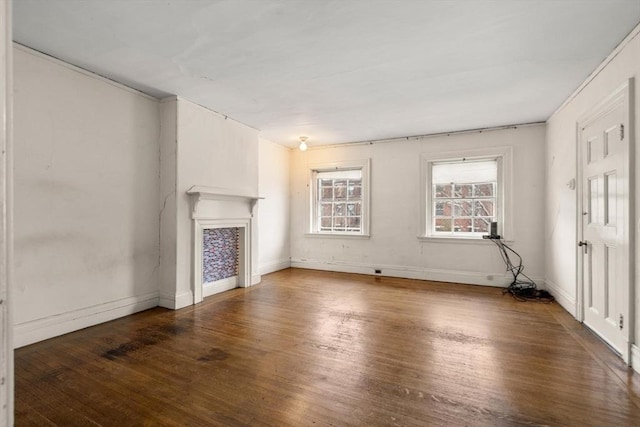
604	247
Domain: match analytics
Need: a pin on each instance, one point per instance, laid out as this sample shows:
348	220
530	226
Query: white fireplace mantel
199	193
222	208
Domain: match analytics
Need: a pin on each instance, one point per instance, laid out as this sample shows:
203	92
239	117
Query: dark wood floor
317	348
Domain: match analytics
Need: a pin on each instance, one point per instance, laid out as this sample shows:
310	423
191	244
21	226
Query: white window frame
504	210
365	208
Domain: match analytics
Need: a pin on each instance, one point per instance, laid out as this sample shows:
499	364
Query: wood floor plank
330	349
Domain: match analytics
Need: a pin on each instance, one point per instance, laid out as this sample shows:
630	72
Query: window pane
339	222
484	208
353	222
462	208
442	190
482	225
463	190
353	209
443	224
325	222
326	193
462	225
326	209
340	192
443	208
354	192
483	190
339	209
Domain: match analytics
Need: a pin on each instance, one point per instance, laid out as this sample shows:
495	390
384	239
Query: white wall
167	201
273	211
213	151
86	205
395	214
561	215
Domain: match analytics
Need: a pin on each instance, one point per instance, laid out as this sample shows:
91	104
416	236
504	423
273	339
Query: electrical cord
521	289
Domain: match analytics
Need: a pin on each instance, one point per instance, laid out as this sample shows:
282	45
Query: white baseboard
167	301
175	302
562	297
500	279
218	286
270	267
255	279
41	329
184	300
635	358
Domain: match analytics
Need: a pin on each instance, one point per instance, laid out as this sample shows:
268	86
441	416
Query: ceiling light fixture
303	143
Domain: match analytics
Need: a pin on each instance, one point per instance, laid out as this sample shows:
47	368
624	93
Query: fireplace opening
220	259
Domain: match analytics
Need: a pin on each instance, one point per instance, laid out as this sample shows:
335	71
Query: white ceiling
340	70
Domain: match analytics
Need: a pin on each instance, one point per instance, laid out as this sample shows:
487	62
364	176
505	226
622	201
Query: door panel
604	154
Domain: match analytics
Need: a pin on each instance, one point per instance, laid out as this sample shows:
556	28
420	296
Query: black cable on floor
522	289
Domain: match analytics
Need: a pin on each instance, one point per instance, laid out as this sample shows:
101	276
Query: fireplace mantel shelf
199	193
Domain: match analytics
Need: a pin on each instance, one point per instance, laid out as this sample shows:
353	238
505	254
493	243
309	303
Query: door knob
585	244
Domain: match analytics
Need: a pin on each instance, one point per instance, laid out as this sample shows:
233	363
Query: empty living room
319	213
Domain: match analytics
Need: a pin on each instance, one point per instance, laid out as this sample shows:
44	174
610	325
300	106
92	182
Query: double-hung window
340	199
464	200
465	193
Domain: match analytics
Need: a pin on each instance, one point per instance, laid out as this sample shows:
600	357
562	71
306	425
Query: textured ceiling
340	71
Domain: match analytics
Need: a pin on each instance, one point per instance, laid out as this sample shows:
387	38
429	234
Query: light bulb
303	143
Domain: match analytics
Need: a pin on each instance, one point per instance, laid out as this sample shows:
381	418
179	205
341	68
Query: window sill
459	240
338	235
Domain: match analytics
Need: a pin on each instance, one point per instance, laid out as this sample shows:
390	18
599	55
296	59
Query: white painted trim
83	71
255	279
184	299
198	193
167	301
218	286
59	324
273	266
500	279
245	279
628	39
6	217
562	297
635	358
175	302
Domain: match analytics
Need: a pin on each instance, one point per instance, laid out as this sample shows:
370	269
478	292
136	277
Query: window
464	197
465	192
339	199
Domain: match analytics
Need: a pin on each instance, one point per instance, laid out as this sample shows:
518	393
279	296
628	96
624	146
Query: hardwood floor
318	348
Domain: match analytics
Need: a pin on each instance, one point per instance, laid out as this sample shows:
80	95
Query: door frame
6	225
623	94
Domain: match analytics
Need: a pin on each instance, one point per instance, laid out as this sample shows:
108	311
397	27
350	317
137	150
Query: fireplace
222	249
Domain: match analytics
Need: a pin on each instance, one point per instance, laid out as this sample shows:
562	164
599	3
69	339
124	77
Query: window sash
345	203
339	195
466	207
